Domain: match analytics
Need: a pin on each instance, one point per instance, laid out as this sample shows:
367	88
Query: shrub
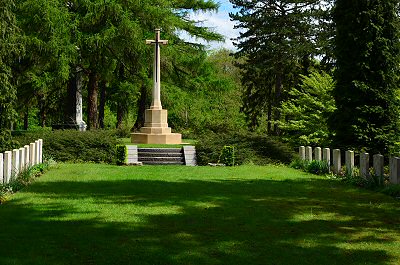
317	167
70	145
392	190
250	148
227	156
6	141
121	154
313	167
25	178
298	164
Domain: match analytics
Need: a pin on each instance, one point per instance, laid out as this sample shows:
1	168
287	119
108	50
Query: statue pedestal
156	130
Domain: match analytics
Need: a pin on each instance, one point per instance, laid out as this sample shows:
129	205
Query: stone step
166	159
148	154
160	150
162	163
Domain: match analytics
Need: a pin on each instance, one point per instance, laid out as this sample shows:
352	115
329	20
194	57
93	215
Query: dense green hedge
70	145
250	148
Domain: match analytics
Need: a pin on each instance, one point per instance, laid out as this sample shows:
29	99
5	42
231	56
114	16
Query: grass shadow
217	221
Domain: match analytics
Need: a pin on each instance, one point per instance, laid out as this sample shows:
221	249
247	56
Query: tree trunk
26	119
141	109
278	94
42	112
93	91
120	116
70	108
102	103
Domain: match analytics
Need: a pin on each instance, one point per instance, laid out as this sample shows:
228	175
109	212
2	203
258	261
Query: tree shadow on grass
198	222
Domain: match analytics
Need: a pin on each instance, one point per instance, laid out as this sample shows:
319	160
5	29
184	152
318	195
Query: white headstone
37	152
349	163
21	159
7	166
40	151
27	156
32	154
1	168
302	152
364	165
378	161
394	170
326	155
309	153
337	164
15	163
317	153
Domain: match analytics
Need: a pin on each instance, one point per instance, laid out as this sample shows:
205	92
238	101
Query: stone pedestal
156	130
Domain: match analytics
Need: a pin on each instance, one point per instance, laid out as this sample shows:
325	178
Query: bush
318	167
392	190
25	178
121	154
227	156
313	167
299	164
70	145
250	148
6	141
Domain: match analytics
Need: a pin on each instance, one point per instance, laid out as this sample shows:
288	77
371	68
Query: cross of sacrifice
156	103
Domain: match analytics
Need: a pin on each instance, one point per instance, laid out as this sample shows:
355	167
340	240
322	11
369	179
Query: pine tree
277	42
367	52
9	50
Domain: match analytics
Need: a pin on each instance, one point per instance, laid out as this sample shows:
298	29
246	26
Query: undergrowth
25	178
250	148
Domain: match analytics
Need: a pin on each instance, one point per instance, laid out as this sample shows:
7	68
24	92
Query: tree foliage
305	114
278	41
367	52
10	49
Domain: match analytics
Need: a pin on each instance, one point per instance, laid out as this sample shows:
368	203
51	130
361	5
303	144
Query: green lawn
103	214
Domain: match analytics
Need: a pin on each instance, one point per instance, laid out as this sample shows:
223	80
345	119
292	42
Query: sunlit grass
104	214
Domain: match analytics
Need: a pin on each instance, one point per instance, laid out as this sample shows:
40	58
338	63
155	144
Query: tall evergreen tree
277	41
9	50
367	52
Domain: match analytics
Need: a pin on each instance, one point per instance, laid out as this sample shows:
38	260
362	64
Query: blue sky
220	23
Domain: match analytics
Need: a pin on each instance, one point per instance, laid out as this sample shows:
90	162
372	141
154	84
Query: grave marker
337	164
349	163
7	166
318	154
364	165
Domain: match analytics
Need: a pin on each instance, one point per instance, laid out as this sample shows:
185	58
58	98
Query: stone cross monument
156	130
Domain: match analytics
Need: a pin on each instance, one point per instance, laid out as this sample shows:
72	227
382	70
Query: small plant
317	167
5	193
299	164
121	154
25	177
227	156
392	190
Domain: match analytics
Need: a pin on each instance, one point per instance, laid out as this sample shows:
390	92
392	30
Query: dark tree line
51	47
356	40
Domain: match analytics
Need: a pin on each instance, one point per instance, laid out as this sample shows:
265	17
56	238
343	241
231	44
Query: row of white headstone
307	153
15	161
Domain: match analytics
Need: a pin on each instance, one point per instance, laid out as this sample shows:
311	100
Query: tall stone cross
156	103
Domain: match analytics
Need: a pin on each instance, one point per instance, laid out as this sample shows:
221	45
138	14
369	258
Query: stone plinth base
156	130
168	138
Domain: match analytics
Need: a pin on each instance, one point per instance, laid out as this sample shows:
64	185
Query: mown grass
103	214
